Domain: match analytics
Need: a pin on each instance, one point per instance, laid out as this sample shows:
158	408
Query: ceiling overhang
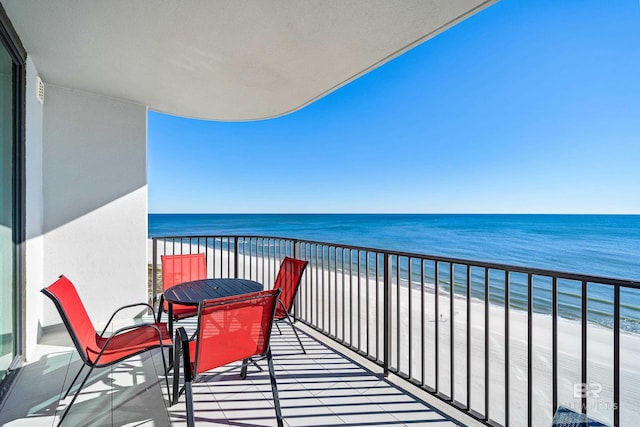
229	60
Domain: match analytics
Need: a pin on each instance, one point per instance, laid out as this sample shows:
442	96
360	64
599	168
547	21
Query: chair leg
243	371
296	332
177	347
74	381
176	384
166	373
189	403
278	328
274	389
182	343
160	308
255	364
170	327
75	396
245	365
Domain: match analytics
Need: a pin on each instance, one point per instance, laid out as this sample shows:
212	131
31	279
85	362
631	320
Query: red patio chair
96	350
179	269
229	330
288	281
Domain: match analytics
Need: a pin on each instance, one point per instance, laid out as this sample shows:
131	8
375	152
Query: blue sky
526	107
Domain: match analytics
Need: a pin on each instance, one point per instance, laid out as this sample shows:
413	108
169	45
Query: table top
191	293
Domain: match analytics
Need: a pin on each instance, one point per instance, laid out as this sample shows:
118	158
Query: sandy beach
320	302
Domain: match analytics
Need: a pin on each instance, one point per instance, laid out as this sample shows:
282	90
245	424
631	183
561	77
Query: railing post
616	355
585	353
387	313
154	274
296	249
235	257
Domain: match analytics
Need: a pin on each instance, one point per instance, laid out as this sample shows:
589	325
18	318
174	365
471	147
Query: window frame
11	42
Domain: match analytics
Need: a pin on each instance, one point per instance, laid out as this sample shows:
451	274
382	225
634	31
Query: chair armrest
160	306
127	328
122	308
180	348
182	339
181	343
137	326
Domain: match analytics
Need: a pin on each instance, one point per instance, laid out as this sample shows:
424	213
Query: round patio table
195	291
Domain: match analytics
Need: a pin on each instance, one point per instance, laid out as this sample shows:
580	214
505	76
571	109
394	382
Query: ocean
601	245
598	245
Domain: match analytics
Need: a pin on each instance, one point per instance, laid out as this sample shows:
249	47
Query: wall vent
40	90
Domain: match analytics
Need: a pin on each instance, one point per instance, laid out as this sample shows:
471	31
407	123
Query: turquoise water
599	245
603	245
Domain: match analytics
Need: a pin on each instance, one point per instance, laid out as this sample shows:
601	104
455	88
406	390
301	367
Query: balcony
504	345
382	348
323	387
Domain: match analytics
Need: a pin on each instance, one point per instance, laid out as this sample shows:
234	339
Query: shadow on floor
127	393
320	388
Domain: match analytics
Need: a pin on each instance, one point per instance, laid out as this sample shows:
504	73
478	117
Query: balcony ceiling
223	60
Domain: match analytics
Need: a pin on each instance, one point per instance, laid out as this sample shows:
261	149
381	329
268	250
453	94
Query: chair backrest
234	328
74	315
288	281
182	268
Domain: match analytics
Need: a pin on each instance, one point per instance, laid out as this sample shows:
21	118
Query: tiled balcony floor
321	388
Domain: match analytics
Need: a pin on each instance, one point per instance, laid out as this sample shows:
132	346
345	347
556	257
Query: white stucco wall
94	199
34	211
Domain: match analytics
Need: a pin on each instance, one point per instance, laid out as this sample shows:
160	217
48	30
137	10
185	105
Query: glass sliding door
7	246
12	212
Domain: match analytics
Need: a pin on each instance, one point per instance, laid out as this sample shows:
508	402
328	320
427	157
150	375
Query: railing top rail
435	258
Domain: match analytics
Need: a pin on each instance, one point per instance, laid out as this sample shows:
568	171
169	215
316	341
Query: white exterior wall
34	211
86	202
94	200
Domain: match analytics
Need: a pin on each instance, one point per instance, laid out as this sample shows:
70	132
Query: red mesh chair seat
229	330
179	269
96	349
288	281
